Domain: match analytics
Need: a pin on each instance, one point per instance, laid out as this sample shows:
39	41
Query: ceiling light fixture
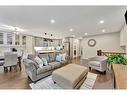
86	33
52	21
9	27
13	28
101	21
19	29
71	29
103	30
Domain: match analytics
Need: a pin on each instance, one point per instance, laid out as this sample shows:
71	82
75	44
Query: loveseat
33	70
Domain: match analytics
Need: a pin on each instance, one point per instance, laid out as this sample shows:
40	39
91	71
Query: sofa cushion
64	62
28	61
44	56
44	69
94	63
55	65
52	57
31	56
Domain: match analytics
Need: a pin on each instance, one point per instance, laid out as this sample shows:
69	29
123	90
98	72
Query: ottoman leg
90	68
54	82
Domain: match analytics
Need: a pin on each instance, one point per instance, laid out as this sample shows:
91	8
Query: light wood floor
19	79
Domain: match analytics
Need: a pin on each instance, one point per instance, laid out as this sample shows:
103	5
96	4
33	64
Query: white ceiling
36	19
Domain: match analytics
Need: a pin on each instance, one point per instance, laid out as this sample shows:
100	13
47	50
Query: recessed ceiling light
101	21
13	28
86	33
52	21
103	30
71	29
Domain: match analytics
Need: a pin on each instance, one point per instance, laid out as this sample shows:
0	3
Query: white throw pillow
39	61
41	65
63	56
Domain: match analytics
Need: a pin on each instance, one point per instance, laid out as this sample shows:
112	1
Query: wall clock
92	42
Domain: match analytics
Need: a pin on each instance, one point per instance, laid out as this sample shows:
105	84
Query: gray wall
106	42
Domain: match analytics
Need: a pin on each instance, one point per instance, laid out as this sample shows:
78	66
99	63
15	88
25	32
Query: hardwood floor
103	81
19	79
14	80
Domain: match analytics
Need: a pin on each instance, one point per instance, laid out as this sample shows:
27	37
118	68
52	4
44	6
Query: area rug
47	83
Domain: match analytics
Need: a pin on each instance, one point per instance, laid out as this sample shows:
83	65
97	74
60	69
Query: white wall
105	42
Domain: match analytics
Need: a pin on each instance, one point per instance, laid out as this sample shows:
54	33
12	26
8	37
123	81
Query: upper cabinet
17	39
8	38
38	41
123	36
23	40
1	38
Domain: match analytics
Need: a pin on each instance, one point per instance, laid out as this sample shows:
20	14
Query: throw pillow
63	56
41	65
44	61
58	58
39	61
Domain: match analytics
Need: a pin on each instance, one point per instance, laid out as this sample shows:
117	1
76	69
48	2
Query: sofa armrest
91	59
30	62
103	65
30	68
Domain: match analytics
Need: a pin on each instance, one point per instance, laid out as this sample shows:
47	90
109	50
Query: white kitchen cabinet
23	40
1	38
11	39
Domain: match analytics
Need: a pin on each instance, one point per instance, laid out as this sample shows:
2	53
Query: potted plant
117	59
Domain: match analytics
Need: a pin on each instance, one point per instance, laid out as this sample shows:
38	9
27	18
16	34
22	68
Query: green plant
117	59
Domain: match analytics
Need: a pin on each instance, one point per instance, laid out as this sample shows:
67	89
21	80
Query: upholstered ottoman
70	76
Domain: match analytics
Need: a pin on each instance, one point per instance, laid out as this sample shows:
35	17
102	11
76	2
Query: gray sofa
33	70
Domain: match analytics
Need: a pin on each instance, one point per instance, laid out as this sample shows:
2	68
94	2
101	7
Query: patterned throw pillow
39	61
44	61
